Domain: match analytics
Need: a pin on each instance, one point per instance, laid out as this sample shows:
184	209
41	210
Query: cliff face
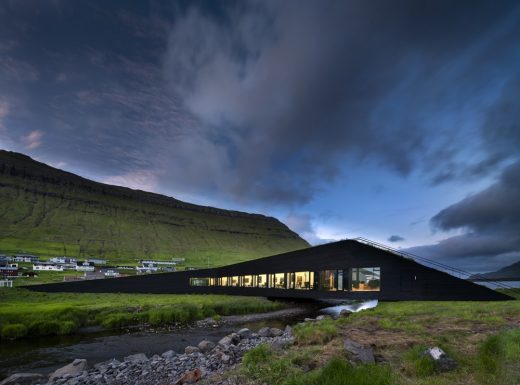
47	211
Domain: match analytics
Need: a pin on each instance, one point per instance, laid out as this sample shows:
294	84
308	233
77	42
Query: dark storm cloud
395	238
300	89
490	220
262	102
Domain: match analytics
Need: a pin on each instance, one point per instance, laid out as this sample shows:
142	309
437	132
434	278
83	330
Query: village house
6	283
97	261
8	269
63	260
147	268
26	258
110	272
85	266
47	266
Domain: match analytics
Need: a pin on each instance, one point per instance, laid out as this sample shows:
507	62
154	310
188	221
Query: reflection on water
353	306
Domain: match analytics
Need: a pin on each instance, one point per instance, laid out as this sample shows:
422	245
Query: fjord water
45	354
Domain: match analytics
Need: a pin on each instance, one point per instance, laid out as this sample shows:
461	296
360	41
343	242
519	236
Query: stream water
44	355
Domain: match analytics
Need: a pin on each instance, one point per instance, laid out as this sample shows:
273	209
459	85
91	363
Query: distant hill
508	273
51	212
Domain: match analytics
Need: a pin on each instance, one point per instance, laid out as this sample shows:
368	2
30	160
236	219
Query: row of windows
353	279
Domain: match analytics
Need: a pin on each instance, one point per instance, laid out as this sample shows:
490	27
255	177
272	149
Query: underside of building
346	269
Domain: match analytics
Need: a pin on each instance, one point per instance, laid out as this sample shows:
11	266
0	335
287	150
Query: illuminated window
235	281
366	279
279	280
213	281
261	280
223	281
248	281
304	280
328	280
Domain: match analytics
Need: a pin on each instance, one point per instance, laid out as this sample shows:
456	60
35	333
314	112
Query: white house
46	266
64	260
85	266
97	261
26	258
6	283
147	268
110	272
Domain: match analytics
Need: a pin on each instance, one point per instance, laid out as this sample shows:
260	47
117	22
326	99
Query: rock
235	338
191	350
190	377
139	357
22	379
74	368
244	333
225	341
275	332
205	346
309	320
443	363
345	313
279	344
359	353
320	318
264	332
168	354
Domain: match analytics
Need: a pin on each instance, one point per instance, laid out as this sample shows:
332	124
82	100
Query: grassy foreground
26	314
483	338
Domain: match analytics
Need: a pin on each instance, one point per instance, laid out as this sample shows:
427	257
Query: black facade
341	270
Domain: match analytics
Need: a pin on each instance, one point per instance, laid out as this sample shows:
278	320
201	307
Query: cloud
395	238
303	225
299	90
145	180
33	139
489	220
4	112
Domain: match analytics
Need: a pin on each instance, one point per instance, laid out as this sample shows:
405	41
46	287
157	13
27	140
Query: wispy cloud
33	139
145	180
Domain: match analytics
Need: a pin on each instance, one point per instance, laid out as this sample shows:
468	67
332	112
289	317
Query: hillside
50	212
511	272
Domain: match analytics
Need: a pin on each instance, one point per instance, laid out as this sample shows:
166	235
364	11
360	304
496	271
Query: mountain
49	212
508	273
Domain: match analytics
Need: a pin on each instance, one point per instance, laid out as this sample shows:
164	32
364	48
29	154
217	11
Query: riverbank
26	314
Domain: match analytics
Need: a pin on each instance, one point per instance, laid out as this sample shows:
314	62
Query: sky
397	121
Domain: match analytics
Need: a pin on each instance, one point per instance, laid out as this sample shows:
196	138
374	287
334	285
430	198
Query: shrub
315	332
44	328
118	320
13	331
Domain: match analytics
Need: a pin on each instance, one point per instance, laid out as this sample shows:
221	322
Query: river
46	354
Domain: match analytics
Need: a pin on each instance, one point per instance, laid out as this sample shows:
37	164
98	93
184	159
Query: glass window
248	281
199	281
235	281
261	280
279	280
223	281
304	280
328	280
366	279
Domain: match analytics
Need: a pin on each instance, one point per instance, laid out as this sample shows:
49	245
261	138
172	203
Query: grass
482	337
26	314
46	212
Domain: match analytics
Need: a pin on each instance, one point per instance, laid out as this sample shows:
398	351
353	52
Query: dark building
341	270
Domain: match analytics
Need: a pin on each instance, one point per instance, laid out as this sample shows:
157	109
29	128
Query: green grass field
483	338
24	313
48	212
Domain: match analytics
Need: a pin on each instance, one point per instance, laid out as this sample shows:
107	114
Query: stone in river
74	368
22	379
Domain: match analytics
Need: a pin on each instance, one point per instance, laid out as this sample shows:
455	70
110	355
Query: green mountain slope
50	212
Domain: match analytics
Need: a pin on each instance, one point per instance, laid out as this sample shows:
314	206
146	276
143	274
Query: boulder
309	320
235	338
264	332
190	377
288	330
139	357
225	341
205	346
244	333
359	353
275	332
344	313
320	318
73	369
22	379
443	363
191	350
